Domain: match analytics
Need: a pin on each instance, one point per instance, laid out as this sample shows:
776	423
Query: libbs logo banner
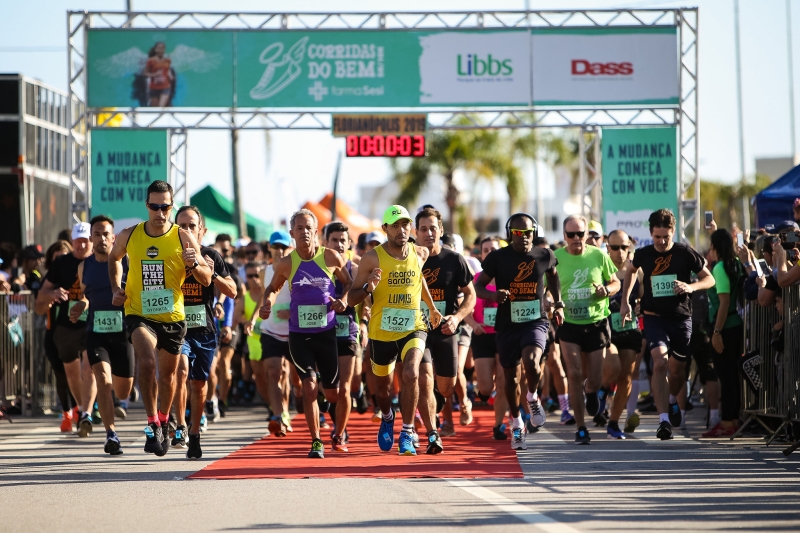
475	65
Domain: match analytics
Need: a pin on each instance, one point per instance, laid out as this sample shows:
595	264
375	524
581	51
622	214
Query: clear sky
304	161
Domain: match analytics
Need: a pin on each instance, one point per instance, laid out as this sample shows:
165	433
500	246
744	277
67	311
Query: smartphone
740	239
709	218
792	237
762	266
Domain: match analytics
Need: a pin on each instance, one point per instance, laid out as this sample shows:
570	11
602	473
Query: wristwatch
195	265
717	332
214	276
558	305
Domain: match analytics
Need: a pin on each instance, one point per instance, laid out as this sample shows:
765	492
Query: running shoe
592	403
338	444
276	426
165	438
223	408
96	414
447	430
376	416
602	396
434	444
518	439
85	425
120	412
538	418
466	412
582	436
386	434
76	417
323	424
362	404
567	419
286	419
203	423
317	450
601	419
66	422
499	432
194	451
179	440
613	431
719	432
632	423
134	395
153	442
112	446
664	431
213	416
405	444
415	440
674	413
549	405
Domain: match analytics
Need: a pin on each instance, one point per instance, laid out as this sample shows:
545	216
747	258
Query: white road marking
526	514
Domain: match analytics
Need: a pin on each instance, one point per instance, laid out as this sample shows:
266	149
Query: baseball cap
280	237
595	227
394	213
448	240
31	252
786	225
81	230
377	235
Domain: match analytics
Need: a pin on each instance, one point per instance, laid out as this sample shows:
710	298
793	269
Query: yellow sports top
396	299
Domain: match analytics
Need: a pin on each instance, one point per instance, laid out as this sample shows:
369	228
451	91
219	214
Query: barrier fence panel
17	349
791	361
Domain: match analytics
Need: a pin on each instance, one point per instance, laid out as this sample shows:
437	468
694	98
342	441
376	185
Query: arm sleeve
227	307
721	280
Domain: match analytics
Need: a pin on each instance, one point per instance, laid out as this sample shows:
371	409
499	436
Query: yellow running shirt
395	301
155	276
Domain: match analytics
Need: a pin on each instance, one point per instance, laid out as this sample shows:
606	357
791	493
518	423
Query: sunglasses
618	247
252	276
159	207
521	232
251	252
573	234
593	237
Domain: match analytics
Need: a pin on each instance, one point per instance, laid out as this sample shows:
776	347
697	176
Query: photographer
785	254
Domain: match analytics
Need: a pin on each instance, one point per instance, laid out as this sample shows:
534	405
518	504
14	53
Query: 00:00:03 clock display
385	146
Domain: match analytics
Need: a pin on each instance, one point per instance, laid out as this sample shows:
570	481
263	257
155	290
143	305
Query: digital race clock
385	146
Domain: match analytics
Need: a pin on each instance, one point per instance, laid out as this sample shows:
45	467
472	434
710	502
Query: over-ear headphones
526	215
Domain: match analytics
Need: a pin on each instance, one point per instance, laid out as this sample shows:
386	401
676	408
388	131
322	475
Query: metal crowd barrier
775	373
17	350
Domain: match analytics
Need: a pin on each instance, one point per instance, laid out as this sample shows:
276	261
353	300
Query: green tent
218	212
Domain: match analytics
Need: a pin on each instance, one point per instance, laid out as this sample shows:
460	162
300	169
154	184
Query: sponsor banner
343	125
123	164
639	167
605	66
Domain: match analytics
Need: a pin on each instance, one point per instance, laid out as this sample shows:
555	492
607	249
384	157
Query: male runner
310	270
62	289
446	274
521	323
626	341
392	274
160	254
108	351
588	276
667	308
200	341
337	237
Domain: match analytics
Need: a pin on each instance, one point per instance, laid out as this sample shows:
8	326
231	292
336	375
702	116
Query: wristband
364	288
558	305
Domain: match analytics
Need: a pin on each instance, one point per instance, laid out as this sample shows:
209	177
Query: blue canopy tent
774	204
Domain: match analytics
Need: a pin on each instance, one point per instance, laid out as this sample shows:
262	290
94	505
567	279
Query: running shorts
316	352
442	350
384	354
510	344
348	348
465	335
483	346
69	343
627	340
590	337
675	335
111	348
271	347
169	335
200	349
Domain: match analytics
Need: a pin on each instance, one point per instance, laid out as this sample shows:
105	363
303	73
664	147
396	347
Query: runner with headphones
521	321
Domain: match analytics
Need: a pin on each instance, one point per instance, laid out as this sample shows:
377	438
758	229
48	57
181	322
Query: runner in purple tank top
311	271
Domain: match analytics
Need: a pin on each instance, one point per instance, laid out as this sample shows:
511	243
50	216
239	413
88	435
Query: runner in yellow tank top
159	255
392	274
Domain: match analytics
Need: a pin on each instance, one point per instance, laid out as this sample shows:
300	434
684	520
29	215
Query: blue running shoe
203	423
674	413
602	396
406	444
613	431
567	419
386	434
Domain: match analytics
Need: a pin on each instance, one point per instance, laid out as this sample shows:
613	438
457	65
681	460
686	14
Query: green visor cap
394	213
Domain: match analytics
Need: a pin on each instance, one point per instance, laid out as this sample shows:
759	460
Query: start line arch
541	107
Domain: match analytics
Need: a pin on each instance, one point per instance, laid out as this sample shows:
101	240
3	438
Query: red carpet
472	453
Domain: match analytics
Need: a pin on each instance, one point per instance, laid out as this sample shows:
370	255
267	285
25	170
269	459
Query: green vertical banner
122	165
640	175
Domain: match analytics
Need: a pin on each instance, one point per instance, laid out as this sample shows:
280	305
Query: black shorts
229	344
272	347
590	337
511	343
442	351
627	340
675	335
111	348
240	343
700	348
383	354
169	335
483	346
316	352
465	335
348	348
69	343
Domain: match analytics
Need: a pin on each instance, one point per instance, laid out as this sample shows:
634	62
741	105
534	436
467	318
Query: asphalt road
52	482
